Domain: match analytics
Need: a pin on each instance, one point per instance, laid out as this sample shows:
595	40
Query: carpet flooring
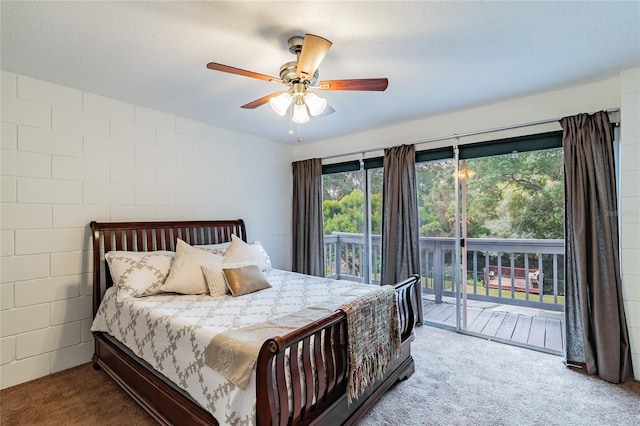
459	380
464	380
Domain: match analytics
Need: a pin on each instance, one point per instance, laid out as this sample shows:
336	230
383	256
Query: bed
308	389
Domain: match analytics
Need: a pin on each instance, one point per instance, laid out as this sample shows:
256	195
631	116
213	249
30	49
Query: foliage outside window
509	197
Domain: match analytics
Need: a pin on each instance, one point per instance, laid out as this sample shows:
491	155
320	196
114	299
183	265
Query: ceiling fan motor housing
288	74
295	44
288	70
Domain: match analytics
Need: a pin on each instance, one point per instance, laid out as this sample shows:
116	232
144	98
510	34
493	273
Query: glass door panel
343	206
352	219
436	210
512	247
374	234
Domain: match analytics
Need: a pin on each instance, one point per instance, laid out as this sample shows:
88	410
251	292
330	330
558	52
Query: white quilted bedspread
171	333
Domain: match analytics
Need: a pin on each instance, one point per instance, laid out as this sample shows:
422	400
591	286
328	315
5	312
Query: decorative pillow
219	249
239	251
185	275
138	273
245	280
215	277
257	246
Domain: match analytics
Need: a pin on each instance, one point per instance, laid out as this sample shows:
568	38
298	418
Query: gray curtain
400	237
307	247
595	320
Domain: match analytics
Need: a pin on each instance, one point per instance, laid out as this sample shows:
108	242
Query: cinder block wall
69	157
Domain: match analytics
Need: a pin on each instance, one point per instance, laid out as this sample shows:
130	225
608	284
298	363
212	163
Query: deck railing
524	272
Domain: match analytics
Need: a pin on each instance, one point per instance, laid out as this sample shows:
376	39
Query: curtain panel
307	246
595	320
400	236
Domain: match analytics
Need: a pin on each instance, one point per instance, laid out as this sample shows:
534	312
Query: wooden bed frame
169	404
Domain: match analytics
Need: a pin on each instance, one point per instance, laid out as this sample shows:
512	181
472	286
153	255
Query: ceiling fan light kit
281	103
300	75
300	114
315	103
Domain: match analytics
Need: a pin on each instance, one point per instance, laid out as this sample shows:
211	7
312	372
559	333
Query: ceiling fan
300	76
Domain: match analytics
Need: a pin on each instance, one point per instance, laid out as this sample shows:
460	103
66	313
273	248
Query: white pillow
185	275
214	275
239	251
257	246
219	249
138	273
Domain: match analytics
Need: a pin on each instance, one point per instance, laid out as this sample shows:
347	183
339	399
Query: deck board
494	323
521	331
441	315
436	310
472	314
553	336
507	327
545	331
480	322
537	332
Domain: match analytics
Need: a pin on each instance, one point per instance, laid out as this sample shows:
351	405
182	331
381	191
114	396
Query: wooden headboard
152	236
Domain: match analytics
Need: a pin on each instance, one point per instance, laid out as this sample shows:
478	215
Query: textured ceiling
438	56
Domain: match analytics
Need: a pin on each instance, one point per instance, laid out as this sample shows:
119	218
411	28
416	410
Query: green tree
436	202
519	196
337	185
510	196
345	214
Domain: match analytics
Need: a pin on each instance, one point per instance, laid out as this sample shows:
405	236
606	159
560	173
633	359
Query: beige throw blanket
234	352
374	338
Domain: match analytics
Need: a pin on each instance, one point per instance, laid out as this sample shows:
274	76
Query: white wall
543	106
69	157
622	92
629	208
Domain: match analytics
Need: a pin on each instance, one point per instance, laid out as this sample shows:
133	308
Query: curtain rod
474	133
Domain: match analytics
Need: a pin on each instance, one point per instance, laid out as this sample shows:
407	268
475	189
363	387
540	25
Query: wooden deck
533	328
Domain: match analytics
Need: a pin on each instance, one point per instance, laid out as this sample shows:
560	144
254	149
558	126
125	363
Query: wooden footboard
320	394
315	390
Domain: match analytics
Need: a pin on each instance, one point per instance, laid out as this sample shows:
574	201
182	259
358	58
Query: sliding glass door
492	239
511	212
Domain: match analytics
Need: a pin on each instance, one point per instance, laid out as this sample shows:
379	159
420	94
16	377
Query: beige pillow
138	274
239	251
215	277
245	279
185	275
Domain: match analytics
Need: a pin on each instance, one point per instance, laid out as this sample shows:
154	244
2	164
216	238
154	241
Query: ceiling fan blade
371	84
259	102
327	111
232	70
314	49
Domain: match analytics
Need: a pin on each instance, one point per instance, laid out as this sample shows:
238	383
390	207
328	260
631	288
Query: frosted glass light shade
280	103
300	114
315	103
